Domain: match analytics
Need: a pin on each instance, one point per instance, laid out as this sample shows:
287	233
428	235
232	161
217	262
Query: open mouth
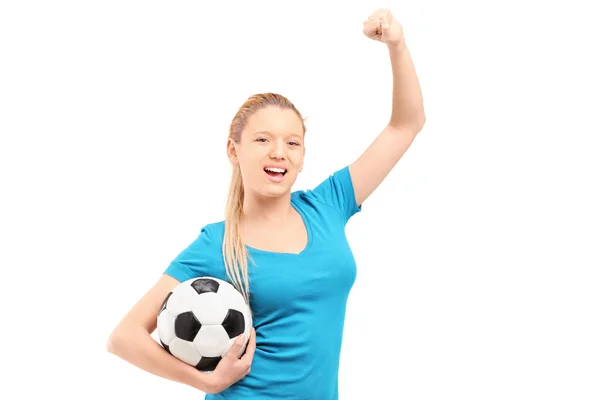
275	174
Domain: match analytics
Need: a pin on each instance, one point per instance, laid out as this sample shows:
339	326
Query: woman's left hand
383	27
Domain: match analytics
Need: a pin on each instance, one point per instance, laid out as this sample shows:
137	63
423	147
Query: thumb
385	25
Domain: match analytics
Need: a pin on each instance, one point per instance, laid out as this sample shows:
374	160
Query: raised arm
407	117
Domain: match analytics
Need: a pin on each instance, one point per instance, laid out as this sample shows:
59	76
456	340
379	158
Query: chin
275	191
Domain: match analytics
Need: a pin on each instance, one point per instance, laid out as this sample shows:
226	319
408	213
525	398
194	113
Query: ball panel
181	300
234	323
164	303
248	319
186	326
209	309
208	363
212	341
205	285
185	351
166	327
232	298
165	346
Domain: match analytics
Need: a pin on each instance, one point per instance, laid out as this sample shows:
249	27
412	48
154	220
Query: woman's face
273	137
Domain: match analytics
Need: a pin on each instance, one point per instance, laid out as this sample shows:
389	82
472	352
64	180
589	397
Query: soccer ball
200	319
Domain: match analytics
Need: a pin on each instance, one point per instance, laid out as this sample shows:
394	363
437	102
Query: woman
286	252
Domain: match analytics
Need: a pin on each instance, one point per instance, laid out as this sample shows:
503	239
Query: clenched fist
383	27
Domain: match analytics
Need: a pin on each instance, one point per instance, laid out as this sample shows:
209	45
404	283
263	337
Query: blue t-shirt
298	300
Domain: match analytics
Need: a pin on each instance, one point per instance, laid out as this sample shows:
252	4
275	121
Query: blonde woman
285	251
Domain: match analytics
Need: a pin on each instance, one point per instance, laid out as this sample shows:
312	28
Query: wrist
205	382
398	47
212	385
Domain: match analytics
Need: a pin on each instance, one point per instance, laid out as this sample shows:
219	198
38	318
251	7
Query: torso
292	238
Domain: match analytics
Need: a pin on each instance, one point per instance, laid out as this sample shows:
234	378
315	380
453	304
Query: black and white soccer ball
200	319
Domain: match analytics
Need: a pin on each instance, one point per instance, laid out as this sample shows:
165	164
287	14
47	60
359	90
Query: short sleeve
338	191
194	260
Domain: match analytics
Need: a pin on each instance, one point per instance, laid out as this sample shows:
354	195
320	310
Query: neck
267	210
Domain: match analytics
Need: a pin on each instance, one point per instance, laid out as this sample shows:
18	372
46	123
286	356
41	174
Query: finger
372	29
388	16
385	25
251	347
236	347
378	13
370	20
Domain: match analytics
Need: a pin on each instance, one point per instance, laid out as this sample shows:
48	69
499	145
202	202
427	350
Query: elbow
419	123
114	342
414	126
111	343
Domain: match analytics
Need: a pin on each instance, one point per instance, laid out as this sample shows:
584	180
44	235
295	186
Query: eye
295	143
260	139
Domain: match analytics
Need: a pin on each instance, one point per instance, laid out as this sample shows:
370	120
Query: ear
231	152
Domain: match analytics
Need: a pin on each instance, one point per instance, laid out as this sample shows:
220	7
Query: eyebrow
269	133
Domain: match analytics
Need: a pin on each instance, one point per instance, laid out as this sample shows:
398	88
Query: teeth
281	170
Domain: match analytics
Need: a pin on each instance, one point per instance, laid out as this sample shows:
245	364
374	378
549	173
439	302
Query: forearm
137	347
407	99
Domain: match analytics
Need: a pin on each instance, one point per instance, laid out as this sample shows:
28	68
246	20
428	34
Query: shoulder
208	240
335	192
213	232
200	257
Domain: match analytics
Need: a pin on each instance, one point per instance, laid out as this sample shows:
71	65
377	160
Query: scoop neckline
307	226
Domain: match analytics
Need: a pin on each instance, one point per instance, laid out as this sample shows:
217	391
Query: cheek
298	159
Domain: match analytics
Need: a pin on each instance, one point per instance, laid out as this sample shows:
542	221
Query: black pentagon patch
165	347
208	363
187	326
234	323
205	285
164	304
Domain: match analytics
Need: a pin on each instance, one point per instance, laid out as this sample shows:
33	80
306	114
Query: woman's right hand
231	368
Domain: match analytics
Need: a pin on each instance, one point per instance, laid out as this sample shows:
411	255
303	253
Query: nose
278	150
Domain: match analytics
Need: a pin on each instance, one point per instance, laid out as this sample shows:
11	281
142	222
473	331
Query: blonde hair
235	253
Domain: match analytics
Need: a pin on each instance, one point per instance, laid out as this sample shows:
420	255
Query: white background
478	257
